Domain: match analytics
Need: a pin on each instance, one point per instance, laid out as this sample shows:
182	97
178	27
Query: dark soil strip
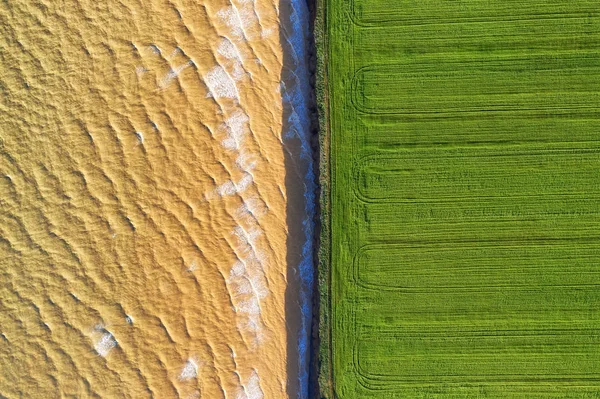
321	357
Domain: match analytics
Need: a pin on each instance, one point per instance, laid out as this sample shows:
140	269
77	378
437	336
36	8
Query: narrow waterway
298	131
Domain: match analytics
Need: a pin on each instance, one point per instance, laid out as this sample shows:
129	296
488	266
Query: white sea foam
228	50
244	287
238	72
220	84
226	189
248	245
240	20
246	280
247	286
247	17
267	32
193	266
246	161
251	207
154	48
175	52
236	128
106	343
248	236
140	70
252	389
189	371
230	17
234	59
258	287
251	306
237	270
172	74
231	188
247	306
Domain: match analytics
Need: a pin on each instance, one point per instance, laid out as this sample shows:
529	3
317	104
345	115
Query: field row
534	85
438	174
433	12
477	267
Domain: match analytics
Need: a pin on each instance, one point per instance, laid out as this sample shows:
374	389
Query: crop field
465	198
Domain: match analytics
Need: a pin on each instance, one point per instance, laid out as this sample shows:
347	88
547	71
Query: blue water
297	97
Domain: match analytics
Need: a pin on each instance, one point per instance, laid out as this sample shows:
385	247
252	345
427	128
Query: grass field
465	188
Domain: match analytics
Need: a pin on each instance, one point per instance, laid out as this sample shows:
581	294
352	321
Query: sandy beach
152	200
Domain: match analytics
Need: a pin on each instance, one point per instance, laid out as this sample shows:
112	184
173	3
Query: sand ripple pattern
145	229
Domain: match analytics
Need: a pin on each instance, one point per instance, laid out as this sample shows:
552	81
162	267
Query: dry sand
144	216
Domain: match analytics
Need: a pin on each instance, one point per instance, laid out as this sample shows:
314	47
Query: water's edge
300	132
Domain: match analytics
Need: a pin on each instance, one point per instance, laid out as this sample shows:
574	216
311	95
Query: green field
464	198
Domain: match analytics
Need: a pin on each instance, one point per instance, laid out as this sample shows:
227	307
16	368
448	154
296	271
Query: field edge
325	382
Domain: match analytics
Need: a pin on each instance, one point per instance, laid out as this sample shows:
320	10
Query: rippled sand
145	201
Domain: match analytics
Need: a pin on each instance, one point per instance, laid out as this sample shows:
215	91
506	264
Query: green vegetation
465	192
324	262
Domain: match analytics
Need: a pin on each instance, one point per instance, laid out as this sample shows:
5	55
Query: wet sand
148	241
